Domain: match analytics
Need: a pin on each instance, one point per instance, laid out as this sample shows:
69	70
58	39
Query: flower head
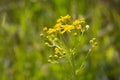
87	27
58	26
55	39
67	28
76	22
56	50
45	29
41	34
64	19
50	31
82	20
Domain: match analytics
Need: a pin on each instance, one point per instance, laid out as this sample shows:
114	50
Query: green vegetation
24	55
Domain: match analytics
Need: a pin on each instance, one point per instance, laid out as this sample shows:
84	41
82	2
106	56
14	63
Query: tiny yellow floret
41	34
76	22
94	39
82	20
45	29
75	34
51	31
58	26
65	18
78	27
56	50
56	56
67	28
49	60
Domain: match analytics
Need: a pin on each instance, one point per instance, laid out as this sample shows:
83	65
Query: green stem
83	63
71	62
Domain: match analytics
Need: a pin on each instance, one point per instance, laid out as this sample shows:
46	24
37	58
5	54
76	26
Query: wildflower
46	43
65	18
47	37
60	57
82	20
76	22
75	34
45	29
50	56
59	20
41	34
51	31
87	27
96	43
91	41
56	50
49	60
58	26
94	39
64	53
67	28
56	56
56	41
78	27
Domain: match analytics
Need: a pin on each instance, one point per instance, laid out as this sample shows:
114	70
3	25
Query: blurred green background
23	55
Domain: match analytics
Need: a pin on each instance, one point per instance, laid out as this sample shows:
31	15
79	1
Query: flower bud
87	27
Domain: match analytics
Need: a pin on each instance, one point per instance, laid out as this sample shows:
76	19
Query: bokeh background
23	55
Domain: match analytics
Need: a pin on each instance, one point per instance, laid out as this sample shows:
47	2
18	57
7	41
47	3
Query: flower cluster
63	25
93	42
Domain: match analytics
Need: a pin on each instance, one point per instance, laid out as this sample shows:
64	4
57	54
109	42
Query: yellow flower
76	22
94	39
41	34
49	60
58	26
46	43
78	27
87	27
50	56
45	29
59	20
47	37
91	41
56	56
56	50
67	28
65	18
82	20
51	31
96	43
75	34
